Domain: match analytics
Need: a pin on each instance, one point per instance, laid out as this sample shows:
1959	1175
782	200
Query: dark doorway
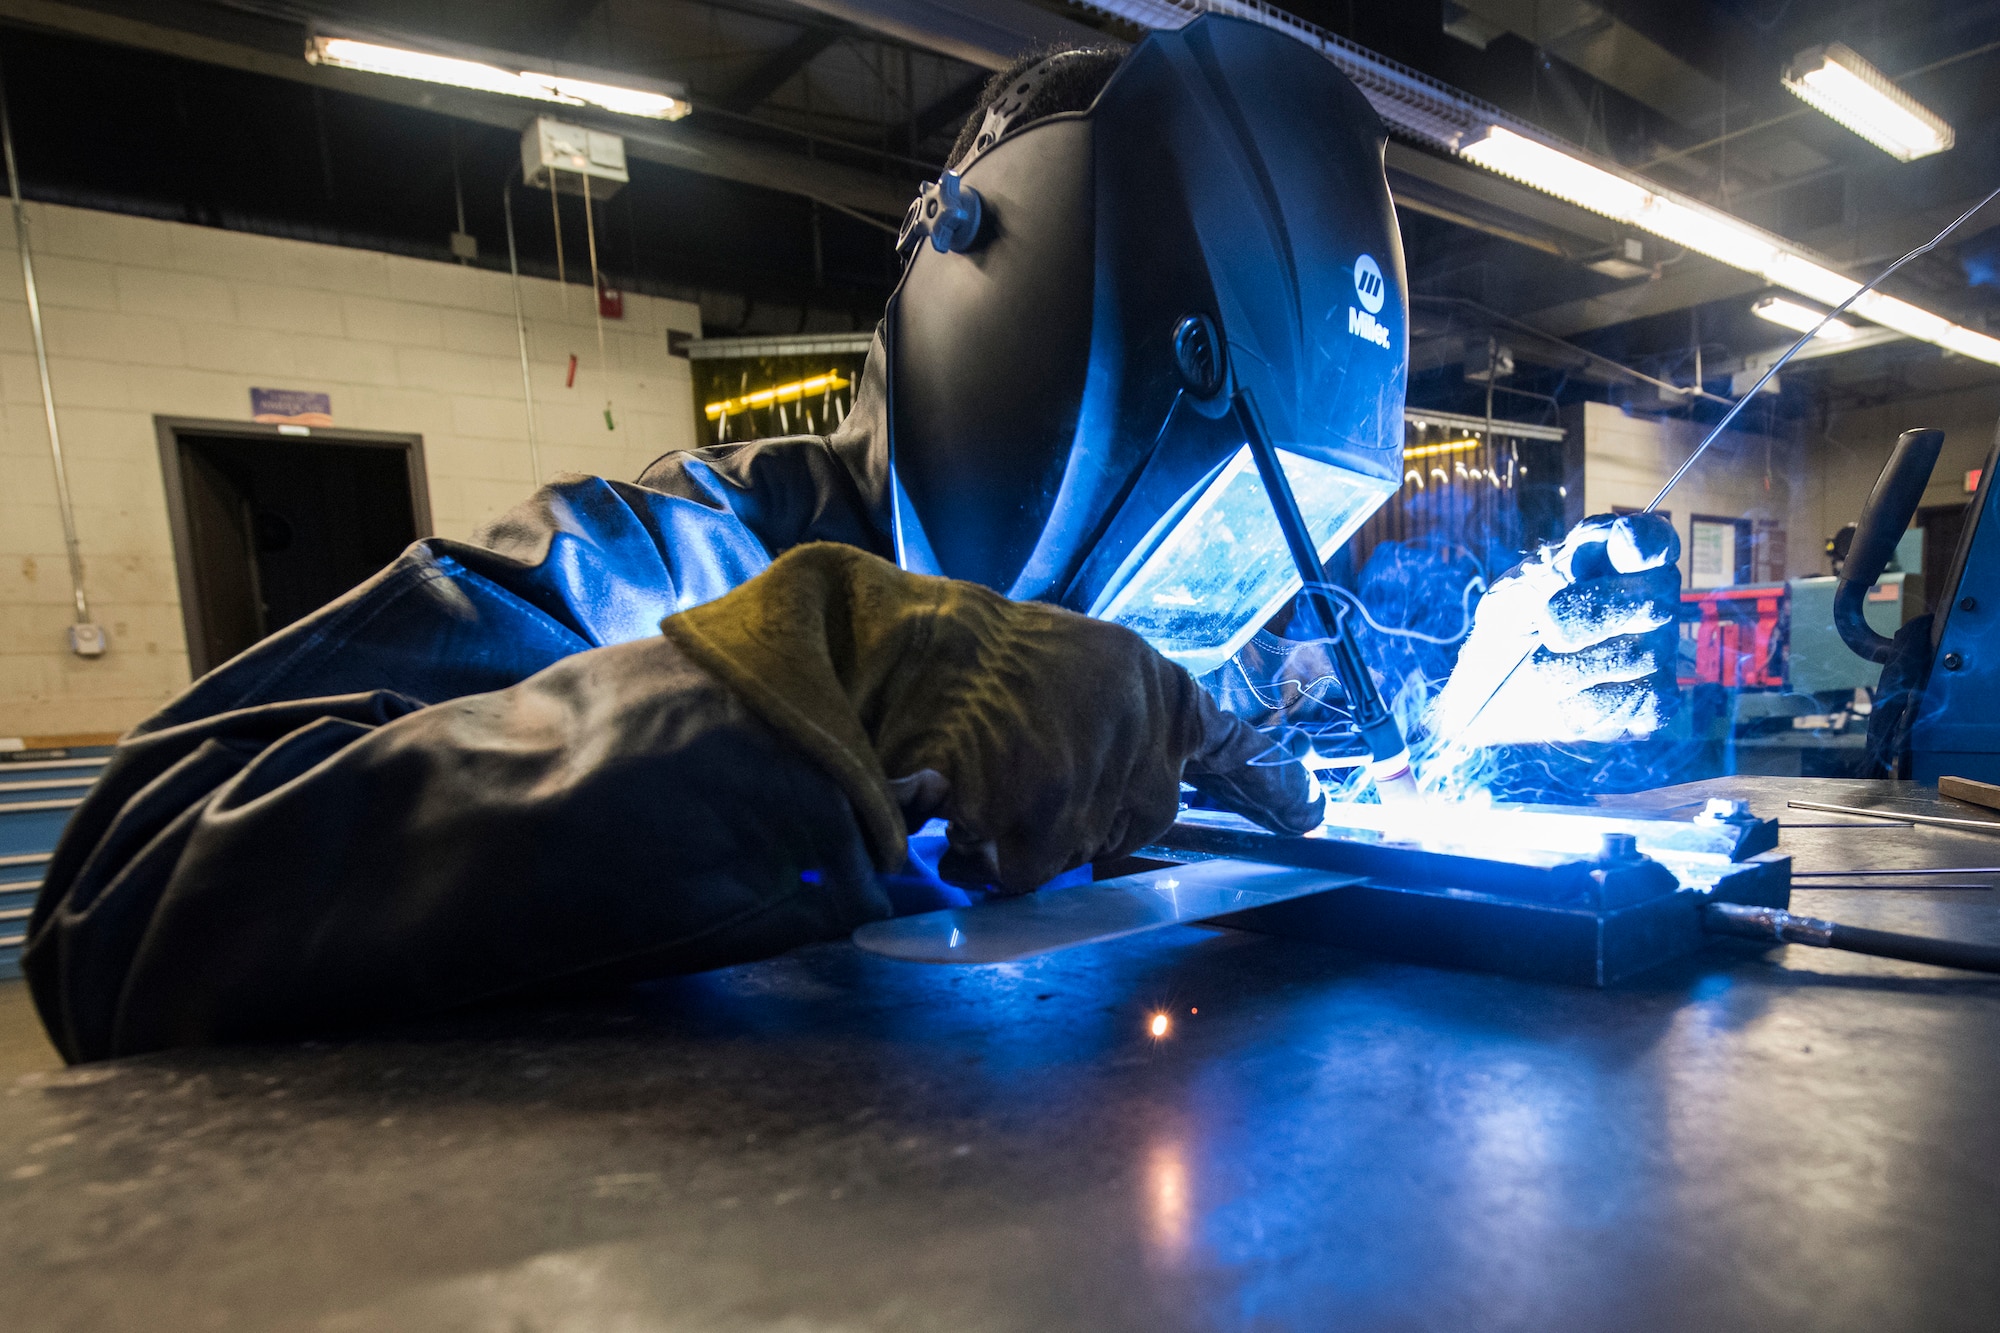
1944	528
271	523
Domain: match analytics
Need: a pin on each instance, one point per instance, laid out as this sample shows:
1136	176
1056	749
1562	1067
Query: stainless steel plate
1010	928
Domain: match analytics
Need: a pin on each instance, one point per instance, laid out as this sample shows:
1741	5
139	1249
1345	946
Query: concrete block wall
1626	459
1849	448
149	318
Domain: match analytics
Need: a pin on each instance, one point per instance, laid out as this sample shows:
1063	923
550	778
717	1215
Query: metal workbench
1798	1140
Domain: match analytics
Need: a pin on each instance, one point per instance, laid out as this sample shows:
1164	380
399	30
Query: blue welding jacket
482	773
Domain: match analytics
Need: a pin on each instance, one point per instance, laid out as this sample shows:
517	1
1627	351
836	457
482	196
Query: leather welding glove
1045	738
1577	644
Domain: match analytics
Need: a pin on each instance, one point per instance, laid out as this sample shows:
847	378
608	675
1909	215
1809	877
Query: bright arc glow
401	63
1158	1027
783	393
1795	316
1839	84
1721	237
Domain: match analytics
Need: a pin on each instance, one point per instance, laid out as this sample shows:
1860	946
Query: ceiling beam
1698	283
566	20
988	33
675	145
777	69
1609	50
949	110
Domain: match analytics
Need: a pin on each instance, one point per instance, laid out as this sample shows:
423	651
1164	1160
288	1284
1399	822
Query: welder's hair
1072	84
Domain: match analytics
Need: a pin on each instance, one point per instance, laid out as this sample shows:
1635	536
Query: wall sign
292	407
1712	554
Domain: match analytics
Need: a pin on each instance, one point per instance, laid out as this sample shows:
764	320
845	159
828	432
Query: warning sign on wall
293	407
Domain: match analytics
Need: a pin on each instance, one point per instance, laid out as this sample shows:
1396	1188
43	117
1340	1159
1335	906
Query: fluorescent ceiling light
1840	84
1709	231
783	393
1448	447
402	63
1795	316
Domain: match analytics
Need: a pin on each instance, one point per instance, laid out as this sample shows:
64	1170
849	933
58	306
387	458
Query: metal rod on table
1936	821
1887	888
1372	717
1933	870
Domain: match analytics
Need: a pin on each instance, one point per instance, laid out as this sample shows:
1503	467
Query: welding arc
1807	337
1780	927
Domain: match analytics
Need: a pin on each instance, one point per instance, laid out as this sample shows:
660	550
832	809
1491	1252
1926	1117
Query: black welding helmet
1088	302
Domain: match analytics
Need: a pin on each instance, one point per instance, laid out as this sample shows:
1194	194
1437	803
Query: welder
633	729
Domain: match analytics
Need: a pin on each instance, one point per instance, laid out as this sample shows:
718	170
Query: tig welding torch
1329	619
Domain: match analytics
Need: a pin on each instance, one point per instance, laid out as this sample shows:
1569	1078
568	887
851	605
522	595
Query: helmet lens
1217	569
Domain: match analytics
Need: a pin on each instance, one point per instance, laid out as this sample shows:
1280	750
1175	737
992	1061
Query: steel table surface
1793	1140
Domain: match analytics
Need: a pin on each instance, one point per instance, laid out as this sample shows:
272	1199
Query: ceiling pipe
988	33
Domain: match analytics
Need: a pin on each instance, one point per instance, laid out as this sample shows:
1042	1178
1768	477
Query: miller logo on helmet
1368	284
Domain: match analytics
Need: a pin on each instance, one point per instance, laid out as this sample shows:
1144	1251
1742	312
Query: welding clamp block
1590	919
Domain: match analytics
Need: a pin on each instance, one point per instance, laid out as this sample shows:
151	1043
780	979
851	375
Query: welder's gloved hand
1045	738
1577	644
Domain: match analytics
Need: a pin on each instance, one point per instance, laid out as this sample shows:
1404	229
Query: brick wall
150	318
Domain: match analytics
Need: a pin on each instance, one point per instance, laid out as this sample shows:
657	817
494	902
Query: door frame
169	431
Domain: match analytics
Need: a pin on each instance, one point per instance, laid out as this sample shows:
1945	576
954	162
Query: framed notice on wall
299	407
1718	552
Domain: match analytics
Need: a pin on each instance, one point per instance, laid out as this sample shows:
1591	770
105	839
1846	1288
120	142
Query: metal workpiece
1525	875
1039	923
1581	896
1594	917
1513	831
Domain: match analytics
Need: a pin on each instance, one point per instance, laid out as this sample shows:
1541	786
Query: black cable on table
1781	927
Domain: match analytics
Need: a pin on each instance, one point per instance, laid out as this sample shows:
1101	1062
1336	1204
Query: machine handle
1884	520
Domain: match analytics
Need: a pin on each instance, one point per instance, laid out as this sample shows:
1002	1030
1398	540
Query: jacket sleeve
583	563
310	866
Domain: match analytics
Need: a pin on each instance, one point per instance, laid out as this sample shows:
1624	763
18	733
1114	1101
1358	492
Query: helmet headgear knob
1199	356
